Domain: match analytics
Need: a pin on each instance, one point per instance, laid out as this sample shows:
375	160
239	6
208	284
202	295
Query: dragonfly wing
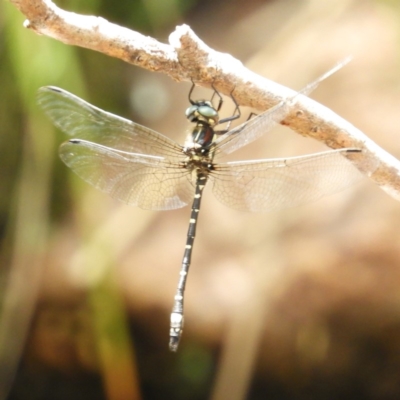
274	184
262	123
82	120
150	182
252	129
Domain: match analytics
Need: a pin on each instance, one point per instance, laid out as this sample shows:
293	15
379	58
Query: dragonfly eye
202	111
190	111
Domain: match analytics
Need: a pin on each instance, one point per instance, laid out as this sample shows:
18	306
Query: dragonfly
142	167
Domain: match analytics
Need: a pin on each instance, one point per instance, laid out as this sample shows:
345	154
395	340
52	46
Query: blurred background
298	304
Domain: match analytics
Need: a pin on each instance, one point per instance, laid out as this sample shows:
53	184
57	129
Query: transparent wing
252	129
273	184
150	182
262	123
82	120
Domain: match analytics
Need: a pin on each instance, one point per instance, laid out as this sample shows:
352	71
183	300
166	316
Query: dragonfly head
202	111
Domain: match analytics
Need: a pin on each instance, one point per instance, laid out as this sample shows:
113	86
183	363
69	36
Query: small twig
188	58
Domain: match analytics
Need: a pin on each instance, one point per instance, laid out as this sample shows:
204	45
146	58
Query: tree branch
188	58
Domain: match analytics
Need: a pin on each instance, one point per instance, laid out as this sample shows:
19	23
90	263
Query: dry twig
188	58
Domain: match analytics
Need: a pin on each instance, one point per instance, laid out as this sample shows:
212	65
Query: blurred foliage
36	192
36	196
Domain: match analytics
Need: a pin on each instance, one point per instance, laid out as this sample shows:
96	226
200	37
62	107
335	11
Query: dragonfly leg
236	112
220	99
191	101
251	115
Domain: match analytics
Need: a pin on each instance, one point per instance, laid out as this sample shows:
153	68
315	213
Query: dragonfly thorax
198	148
200	138
199	164
205	116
